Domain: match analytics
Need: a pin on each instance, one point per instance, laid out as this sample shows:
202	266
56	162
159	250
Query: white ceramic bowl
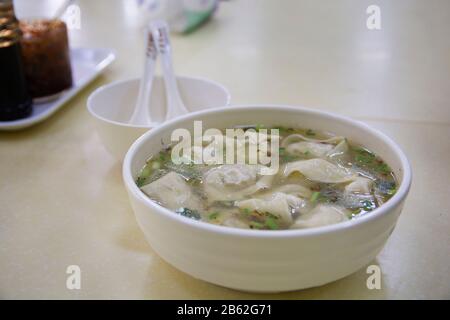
267	261
112	105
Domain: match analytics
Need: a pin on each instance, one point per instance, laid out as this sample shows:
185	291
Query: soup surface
321	179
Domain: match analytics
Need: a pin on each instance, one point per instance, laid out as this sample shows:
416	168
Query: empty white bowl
262	260
112	105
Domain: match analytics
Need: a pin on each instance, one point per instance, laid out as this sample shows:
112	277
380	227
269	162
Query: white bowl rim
384	209
107	86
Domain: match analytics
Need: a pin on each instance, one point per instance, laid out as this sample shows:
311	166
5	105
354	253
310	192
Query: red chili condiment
45	50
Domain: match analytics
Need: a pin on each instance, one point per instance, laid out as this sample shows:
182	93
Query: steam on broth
322	179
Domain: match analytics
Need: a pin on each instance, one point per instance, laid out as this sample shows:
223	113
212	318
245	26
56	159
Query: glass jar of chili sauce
46	57
15	100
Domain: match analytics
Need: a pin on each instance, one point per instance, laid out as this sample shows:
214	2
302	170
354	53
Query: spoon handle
142	111
175	105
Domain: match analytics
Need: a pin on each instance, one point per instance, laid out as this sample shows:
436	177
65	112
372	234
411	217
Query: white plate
87	64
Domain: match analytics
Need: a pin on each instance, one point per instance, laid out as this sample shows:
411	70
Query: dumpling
280	204
339	149
211	147
359	185
298	137
234	182
173	192
291	189
313	149
319	170
321	215
235	175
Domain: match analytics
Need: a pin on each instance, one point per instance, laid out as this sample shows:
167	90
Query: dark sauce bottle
15	101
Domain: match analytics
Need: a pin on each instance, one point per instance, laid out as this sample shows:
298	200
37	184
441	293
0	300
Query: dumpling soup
320	179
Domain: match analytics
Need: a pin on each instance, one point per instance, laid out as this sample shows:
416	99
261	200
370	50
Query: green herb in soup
322	179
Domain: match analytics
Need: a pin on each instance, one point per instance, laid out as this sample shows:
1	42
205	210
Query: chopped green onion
392	191
214	215
314	196
367	205
271	223
140	182
309	132
164	156
143	175
363	159
363	155
189	213
383	168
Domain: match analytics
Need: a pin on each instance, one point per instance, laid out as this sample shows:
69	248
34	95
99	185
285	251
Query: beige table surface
62	201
